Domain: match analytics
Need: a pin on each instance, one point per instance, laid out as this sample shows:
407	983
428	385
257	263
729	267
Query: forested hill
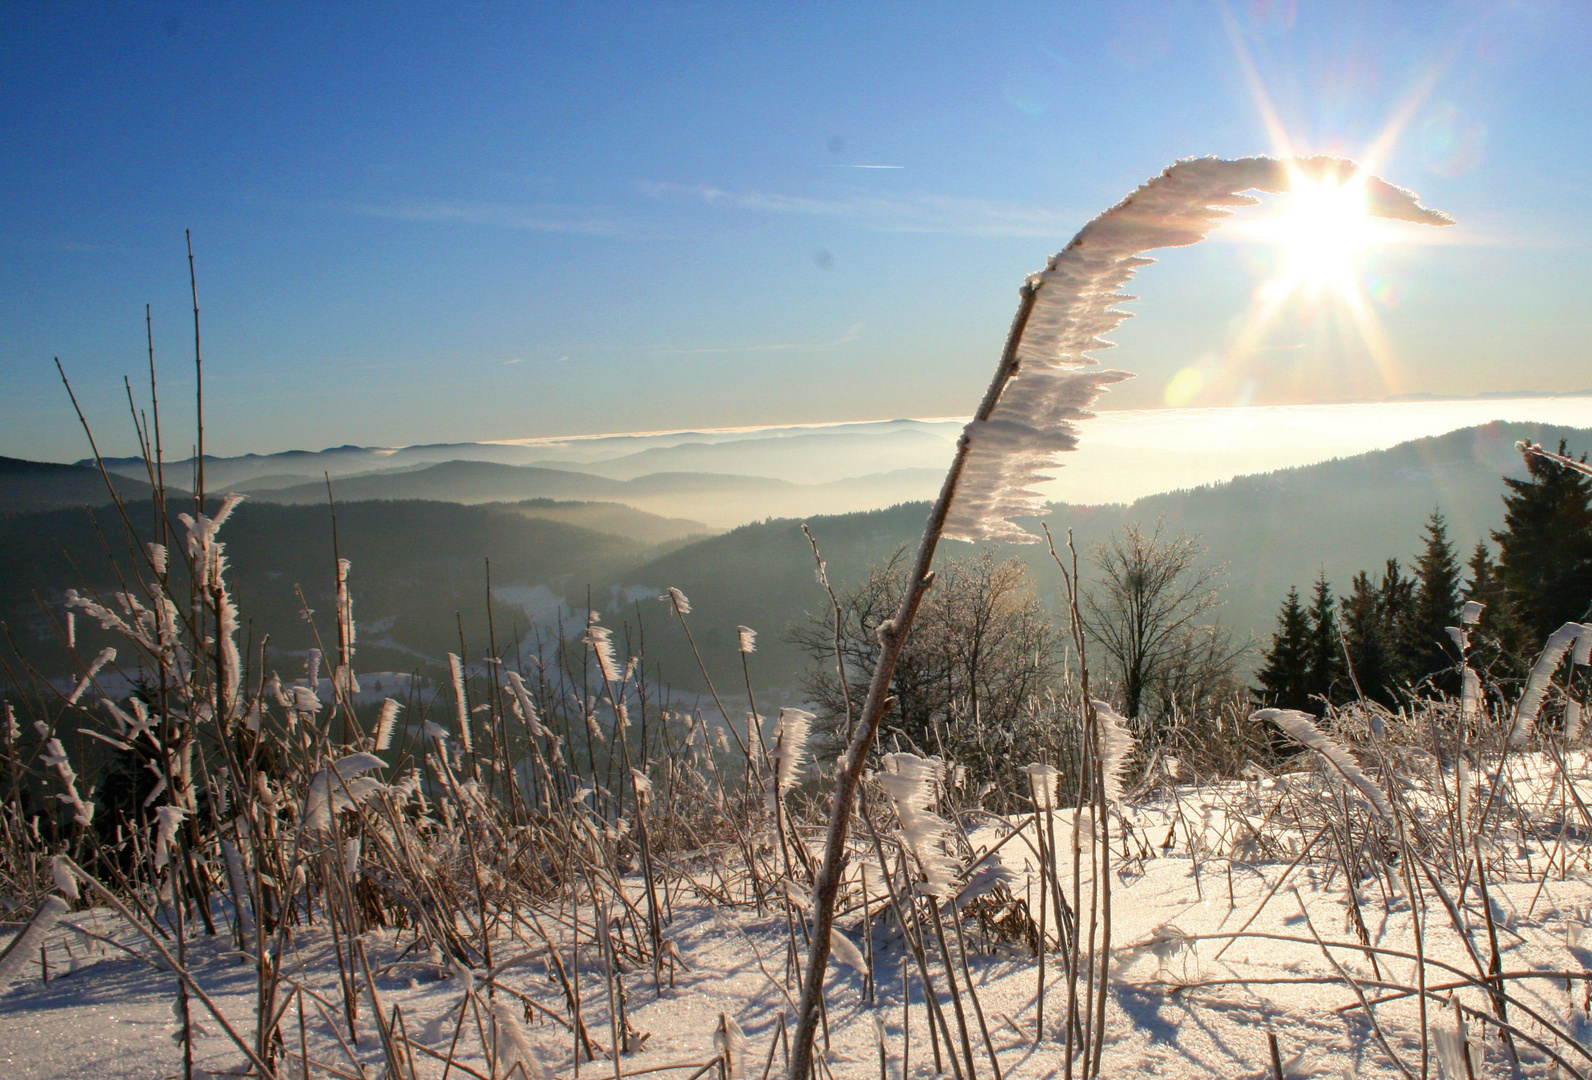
1272	530
42	485
418	563
419	578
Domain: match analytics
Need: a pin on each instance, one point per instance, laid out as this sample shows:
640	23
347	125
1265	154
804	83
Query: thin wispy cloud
922	213
540	218
594	350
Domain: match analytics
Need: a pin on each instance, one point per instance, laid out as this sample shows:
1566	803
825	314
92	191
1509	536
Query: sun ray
1281	144
1374	339
1322	232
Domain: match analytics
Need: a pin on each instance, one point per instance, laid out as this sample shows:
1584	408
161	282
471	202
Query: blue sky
426	223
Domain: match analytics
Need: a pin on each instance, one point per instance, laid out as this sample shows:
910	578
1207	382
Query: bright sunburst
1322	229
1315	306
1323	234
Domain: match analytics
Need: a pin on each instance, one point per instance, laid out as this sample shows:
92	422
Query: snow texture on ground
1177	1008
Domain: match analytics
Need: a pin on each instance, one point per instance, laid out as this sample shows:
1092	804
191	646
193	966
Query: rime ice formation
1052	380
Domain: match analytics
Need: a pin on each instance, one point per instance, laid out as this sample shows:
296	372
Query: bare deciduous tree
1147	615
983	650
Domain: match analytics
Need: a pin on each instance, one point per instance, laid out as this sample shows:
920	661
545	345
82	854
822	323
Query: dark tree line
1389	635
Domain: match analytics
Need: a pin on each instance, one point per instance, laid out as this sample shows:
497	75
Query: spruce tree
1484	585
1545	547
1364	632
1285	673
1325	667
1396	611
1499	633
1435	608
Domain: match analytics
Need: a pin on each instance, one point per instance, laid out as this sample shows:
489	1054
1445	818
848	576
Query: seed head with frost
789	751
1301	728
105	656
54	757
600	638
643	787
65	879
913	784
339	787
460	702
1559	643
730	1042
1042	782
23	949
514	1051
1454	1050
1116	746
385	724
846	951
522	697
1469	692
167	819
746	639
798	896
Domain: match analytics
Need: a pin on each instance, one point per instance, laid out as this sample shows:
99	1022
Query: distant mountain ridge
27	486
417	562
850	449
1272	530
1124	454
720	500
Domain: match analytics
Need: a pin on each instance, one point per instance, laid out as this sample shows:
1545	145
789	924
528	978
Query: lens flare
1183	386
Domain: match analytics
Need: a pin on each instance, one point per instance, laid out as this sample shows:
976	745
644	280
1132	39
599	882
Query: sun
1322	228
1316	303
1324	236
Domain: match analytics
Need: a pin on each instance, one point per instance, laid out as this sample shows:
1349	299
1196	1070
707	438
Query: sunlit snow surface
1182	1013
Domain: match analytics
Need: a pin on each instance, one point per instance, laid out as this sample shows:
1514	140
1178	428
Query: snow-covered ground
1176	1007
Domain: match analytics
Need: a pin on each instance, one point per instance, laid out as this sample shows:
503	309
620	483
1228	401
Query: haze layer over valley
561	520
725	478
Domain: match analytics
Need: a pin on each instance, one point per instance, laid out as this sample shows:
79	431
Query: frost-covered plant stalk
1043	385
1301	728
